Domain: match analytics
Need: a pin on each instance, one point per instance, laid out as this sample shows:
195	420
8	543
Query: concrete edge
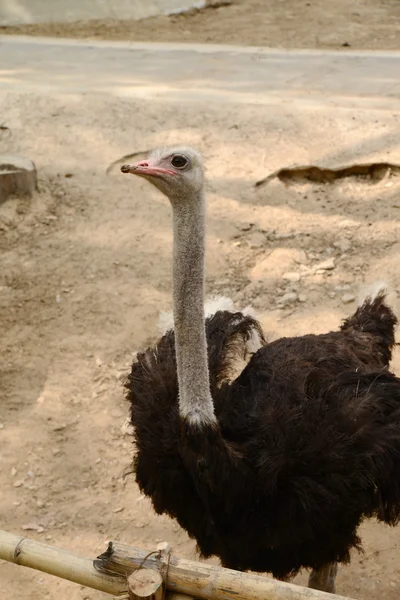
201	48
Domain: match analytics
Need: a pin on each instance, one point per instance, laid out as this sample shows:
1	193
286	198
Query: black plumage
307	443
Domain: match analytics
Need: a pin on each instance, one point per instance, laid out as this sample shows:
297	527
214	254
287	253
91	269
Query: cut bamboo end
145	583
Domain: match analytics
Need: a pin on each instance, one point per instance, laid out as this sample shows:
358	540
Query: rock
348	298
343	245
325	265
271	267
32	527
283	236
256	239
302	298
246	226
17	177
288	298
342	288
301	257
291	276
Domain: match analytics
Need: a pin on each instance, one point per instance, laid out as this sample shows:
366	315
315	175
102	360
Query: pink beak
145	167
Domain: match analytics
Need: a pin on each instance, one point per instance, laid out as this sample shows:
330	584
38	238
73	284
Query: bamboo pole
55	561
202	580
66	565
184	579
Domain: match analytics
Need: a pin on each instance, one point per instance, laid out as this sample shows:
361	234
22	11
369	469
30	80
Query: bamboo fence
184	579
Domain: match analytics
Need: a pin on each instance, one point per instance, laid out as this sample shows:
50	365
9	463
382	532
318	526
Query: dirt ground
86	270
367	24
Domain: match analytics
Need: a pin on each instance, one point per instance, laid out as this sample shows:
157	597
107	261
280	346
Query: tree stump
17	177
145	583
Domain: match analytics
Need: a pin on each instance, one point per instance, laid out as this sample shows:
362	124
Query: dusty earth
275	23
86	270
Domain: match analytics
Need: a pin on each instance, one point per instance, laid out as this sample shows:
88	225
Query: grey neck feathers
195	401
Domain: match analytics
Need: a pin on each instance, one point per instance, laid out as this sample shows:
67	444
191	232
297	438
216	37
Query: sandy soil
86	269
275	23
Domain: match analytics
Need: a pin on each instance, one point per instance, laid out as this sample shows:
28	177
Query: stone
291	276
288	298
302	298
17	177
271	266
256	239
348	298
300	257
325	265
343	245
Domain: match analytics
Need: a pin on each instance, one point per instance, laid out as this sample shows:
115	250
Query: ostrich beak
145	168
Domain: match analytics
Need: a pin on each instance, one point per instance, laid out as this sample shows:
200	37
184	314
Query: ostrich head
177	171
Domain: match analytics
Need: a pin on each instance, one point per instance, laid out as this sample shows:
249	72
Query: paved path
44	11
187	73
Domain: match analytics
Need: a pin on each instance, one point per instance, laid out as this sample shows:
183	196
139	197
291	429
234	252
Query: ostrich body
272	470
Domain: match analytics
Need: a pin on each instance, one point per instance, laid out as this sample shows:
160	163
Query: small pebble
302	298
288	298
347	298
256	240
301	257
291	276
343	245
326	265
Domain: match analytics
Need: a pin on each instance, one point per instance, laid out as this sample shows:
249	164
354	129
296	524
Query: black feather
307	443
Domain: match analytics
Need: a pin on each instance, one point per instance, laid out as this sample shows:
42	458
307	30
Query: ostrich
272	469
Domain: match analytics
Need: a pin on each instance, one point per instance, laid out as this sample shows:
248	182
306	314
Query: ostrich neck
195	401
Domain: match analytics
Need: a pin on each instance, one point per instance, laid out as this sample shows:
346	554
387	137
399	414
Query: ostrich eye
179	162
